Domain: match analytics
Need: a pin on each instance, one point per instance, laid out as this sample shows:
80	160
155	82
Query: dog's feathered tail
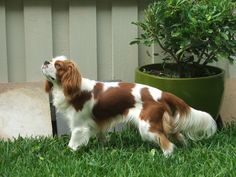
196	124
193	123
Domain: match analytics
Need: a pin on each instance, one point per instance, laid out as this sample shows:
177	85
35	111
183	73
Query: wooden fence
96	33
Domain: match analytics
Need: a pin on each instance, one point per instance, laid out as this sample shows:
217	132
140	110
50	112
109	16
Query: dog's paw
168	152
72	146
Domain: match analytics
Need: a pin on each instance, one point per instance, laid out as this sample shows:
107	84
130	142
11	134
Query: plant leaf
225	36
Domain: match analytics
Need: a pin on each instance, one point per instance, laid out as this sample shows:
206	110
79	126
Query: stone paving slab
24	110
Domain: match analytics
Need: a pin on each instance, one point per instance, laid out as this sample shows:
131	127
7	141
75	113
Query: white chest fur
59	99
75	118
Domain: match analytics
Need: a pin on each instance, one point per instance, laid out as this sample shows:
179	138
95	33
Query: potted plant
192	34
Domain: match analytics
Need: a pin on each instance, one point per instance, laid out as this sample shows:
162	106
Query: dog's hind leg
181	138
156	136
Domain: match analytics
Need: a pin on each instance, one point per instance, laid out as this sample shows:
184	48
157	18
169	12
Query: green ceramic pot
203	93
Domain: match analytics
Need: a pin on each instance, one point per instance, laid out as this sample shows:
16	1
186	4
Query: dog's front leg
101	136
79	136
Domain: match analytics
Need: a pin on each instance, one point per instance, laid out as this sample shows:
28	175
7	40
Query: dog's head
61	72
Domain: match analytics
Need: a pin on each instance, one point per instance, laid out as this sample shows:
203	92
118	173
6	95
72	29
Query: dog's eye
57	65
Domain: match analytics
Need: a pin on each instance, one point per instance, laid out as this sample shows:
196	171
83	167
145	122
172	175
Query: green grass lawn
125	155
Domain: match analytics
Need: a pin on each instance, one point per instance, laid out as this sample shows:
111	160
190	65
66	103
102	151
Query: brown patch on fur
48	86
69	77
127	86
174	104
126	112
113	102
79	100
145	95
153	113
97	90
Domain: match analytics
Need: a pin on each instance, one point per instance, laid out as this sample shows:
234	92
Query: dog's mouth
50	78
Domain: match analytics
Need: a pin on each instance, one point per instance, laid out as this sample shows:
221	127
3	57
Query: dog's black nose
46	63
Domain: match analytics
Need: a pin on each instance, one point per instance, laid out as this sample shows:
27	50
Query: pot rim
221	73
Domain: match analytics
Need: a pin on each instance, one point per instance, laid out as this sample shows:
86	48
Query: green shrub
190	32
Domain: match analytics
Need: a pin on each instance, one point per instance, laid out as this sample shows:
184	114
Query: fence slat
15	41
3	45
125	56
104	41
38	36
143	51
83	36
60	27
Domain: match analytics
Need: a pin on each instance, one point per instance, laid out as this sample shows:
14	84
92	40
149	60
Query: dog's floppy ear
71	81
48	86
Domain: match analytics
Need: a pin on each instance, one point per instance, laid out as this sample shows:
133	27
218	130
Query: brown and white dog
92	107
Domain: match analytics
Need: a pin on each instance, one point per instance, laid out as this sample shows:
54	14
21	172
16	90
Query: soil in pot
179	71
